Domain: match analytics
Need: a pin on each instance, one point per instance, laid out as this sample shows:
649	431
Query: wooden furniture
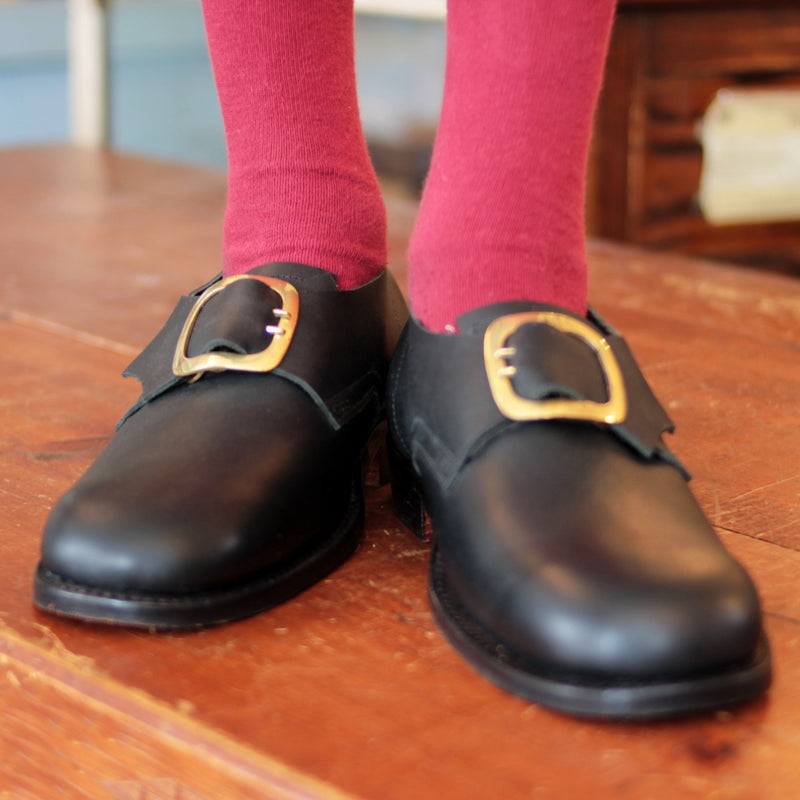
666	63
350	690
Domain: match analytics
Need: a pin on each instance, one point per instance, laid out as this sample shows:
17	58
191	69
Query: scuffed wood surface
349	690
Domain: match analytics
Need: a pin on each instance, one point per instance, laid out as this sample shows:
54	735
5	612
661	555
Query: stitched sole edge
671	697
61	597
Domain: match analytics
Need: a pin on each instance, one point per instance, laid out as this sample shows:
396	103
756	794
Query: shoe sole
590	697
59	596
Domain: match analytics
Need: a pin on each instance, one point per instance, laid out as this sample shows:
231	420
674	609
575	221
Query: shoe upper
216	477
576	543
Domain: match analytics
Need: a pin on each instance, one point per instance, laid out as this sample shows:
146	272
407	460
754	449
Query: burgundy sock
300	183
502	214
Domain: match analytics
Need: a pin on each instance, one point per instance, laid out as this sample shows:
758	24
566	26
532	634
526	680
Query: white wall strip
87	58
417	9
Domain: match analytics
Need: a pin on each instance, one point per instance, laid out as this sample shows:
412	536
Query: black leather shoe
571	564
234	482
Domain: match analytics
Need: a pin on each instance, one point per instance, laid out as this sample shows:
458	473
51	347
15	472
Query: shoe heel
375	470
407	501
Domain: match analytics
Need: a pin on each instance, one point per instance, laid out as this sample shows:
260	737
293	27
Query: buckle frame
184	365
511	405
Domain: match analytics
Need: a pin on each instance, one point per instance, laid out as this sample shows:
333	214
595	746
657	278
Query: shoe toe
631	631
605	566
96	538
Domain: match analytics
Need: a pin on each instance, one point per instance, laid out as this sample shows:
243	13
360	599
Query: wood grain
349	690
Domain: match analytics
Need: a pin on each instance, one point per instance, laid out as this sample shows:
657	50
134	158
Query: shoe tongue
475	322
548	363
235	320
299	275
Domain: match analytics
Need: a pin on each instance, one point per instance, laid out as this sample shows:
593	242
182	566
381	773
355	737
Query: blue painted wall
163	99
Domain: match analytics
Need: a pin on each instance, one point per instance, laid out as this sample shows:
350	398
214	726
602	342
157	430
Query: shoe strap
338	354
547	363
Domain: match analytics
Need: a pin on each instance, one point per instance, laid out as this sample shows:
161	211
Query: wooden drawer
666	63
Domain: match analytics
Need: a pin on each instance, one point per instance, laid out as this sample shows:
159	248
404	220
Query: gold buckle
511	405
265	360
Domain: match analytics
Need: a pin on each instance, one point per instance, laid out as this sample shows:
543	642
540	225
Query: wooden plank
69	732
350	688
725	299
697	42
104	244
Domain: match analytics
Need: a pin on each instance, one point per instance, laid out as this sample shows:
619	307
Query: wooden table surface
349	690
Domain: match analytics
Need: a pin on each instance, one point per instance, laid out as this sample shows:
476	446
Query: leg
301	186
502	214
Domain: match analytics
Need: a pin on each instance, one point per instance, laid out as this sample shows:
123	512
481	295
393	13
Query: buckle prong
511	405
184	365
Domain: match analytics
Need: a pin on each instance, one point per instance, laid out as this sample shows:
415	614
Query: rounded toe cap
640	631
95	539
